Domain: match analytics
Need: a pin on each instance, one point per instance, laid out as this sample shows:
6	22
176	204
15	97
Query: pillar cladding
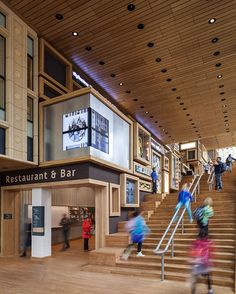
41	235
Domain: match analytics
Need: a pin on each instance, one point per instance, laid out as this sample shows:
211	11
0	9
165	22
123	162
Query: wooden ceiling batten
183	40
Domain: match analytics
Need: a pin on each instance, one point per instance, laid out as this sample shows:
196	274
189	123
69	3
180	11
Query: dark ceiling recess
164	70
128	91
158	59
101	62
140	26
88	48
59	16
150	44
131	7
216	53
113	75
214	40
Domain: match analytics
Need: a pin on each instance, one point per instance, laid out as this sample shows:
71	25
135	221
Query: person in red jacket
86	231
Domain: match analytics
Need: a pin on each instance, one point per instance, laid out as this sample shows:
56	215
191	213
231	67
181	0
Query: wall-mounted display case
166	165
142	171
157	163
145	186
114	200
175	172
166	182
129	190
142	144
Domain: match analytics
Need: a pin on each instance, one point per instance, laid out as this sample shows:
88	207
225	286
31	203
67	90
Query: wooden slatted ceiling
182	37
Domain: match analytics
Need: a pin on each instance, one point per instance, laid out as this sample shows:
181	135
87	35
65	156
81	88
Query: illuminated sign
79	78
189	145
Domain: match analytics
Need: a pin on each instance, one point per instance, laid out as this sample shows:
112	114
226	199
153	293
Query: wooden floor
63	273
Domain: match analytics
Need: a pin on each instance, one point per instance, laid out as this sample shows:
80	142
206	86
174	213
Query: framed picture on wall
192	154
129	190
166	163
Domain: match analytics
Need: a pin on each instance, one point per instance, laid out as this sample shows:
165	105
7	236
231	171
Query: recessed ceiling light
146	112
190	119
219	76
178	97
225	111
141	106
158	59
164	70
75	34
59	16
169	136
128	91
221	86
192	124
160	126
121	84
223	99
113	75
151	116
214	40
135	99
226	120
216	53
101	62
225	116
222	93
181	103
226	125
140	26
224	105
88	48
131	7
218	64
173	89
187	114
194	127
169	80
184	108
212	20
156	122
150	44
227	131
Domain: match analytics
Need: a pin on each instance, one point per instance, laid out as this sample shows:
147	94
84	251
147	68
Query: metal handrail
171	239
210	179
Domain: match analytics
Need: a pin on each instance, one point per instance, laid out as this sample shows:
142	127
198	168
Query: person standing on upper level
219	169
184	199
154	177
229	163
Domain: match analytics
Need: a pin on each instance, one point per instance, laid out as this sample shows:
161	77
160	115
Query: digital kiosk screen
75	129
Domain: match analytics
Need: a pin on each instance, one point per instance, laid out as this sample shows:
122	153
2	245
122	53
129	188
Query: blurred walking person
184	199
65	223
27	238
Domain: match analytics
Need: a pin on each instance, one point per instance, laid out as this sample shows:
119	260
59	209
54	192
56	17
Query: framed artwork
114	200
166	163
129	190
192	154
157	163
145	186
142	144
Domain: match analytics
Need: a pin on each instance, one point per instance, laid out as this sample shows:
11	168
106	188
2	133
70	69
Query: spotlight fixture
169	80
216	53
75	34
173	89
184	108
181	103
88	48
226	125
140	26
196	131
101	62
219	76
131	7
146	112
158	59
218	64
164	70
187	114
192	124
128	91
113	75
214	40
150	44
135	99
212	20
194	127
222	93
59	16
178	97
121	84
223	99
221	86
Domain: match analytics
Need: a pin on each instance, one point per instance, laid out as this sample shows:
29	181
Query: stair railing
210	179
193	188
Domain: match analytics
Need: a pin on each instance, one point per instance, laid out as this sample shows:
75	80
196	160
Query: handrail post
172	248
162	267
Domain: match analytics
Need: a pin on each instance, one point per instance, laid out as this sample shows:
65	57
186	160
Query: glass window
49	92
2	20
2	140
30	63
30	129
2	77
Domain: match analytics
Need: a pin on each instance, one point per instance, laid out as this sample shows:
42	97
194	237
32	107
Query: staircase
157	213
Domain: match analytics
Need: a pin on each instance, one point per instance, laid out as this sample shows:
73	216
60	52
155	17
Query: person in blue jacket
154	177
185	198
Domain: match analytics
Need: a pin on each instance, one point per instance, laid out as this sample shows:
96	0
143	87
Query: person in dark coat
27	238
65	223
219	169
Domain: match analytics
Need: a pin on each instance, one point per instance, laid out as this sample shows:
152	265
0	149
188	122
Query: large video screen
75	129
100	132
